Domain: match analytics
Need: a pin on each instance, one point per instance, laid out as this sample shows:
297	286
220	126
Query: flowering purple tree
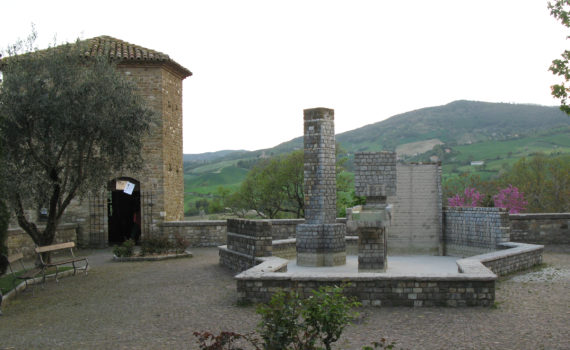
511	199
471	198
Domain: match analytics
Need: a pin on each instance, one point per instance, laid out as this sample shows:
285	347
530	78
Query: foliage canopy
560	9
68	124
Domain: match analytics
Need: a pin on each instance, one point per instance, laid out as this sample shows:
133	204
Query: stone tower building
111	215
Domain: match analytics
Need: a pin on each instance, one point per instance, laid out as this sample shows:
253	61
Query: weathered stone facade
320	241
160	184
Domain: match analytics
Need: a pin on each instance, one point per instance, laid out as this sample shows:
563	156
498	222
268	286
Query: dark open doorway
124	210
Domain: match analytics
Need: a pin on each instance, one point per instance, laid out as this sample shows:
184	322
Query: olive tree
68	123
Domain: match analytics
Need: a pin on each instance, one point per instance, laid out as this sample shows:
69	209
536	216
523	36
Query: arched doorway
124	210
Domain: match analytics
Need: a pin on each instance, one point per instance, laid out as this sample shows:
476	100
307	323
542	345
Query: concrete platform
417	264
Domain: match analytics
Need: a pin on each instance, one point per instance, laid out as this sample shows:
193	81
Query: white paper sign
129	187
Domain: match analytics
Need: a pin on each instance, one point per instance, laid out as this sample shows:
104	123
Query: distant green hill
496	133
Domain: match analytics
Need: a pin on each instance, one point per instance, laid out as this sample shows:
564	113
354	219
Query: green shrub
155	245
291	323
126	249
162	245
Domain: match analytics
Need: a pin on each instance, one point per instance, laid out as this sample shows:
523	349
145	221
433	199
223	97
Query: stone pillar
320	241
375	179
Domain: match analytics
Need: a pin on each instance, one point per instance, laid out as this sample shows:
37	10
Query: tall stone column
320	241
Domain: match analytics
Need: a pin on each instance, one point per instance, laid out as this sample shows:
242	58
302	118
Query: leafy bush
155	245
289	322
162	245
125	250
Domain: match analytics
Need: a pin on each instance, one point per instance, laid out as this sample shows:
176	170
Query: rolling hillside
497	133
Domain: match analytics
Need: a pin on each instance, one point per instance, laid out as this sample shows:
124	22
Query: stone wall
20	242
197	233
258	284
247	240
516	257
472	231
416	225
540	228
375	174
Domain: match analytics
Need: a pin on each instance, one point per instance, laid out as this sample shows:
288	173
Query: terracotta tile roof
126	53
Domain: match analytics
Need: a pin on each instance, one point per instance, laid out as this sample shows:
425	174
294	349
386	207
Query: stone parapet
197	233
259	283
540	228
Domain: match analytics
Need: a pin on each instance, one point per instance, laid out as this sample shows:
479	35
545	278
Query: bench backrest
15	257
51	248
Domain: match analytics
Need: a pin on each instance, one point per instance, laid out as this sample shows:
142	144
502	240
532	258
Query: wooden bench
26	275
69	259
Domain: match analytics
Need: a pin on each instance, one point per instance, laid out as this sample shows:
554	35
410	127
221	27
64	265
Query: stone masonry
247	241
375	175
374	178
320	241
159	81
470	231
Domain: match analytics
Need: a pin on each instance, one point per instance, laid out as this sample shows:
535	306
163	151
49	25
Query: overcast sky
258	64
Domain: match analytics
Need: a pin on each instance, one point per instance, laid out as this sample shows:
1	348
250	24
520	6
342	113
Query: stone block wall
19	241
540	228
375	174
371	248
379	291
247	240
197	233
416	225
251	237
472	231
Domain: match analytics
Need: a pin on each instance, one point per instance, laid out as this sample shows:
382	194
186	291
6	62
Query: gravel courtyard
158	305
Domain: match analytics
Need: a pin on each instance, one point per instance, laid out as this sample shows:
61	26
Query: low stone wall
515	257
198	233
472	231
540	228
247	241
259	283
213	233
19	241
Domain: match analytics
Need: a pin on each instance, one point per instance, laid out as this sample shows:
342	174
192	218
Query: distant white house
477	163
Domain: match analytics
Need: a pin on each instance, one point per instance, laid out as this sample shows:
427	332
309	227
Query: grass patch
7	281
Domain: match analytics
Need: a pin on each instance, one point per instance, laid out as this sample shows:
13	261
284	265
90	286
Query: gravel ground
158	305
